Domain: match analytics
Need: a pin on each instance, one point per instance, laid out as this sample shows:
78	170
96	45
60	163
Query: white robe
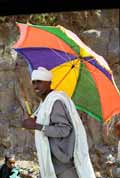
81	153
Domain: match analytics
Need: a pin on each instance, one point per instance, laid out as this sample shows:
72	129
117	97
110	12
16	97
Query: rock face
99	29
12	137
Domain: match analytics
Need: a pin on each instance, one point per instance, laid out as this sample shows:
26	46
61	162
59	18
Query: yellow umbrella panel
65	76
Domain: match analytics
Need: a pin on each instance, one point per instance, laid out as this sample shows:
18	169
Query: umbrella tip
72	66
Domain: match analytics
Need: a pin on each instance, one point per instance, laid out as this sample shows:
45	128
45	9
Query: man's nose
13	164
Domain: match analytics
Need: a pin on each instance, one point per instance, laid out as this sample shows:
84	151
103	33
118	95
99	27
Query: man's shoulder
2	166
3	169
58	102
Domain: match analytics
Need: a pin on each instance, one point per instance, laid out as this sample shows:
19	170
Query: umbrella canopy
80	72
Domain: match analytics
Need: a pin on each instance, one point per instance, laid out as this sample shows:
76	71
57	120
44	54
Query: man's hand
29	123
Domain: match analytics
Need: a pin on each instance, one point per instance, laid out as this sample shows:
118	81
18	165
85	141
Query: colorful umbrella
80	72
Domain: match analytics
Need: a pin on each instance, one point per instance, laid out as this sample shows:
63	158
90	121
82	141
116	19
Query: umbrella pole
29	112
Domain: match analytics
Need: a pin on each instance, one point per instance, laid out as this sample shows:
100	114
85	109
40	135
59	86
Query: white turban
41	74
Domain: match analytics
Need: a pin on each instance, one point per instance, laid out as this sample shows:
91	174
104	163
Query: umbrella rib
94	59
71	63
68	57
72	66
63	49
88	80
62	78
75	66
75	73
61	66
57	54
86	75
90	71
59	42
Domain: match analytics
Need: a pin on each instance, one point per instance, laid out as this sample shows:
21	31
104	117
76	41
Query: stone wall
12	136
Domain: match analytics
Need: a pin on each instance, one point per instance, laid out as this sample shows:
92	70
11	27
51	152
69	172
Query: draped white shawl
81	154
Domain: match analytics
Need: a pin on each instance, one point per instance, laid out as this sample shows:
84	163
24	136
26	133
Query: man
60	136
117	135
8	169
117	129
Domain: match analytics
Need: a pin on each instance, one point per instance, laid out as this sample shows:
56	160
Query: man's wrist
38	126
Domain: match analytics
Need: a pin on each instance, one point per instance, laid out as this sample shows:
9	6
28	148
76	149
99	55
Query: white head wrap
41	74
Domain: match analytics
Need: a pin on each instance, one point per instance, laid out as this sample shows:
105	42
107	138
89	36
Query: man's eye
36	81
33	82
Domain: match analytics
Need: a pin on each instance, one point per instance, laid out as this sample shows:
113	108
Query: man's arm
0	171
59	122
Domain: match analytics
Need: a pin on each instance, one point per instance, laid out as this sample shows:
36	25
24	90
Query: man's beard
41	95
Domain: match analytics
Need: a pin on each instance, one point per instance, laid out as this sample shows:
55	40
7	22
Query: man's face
117	132
117	129
11	163
41	87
